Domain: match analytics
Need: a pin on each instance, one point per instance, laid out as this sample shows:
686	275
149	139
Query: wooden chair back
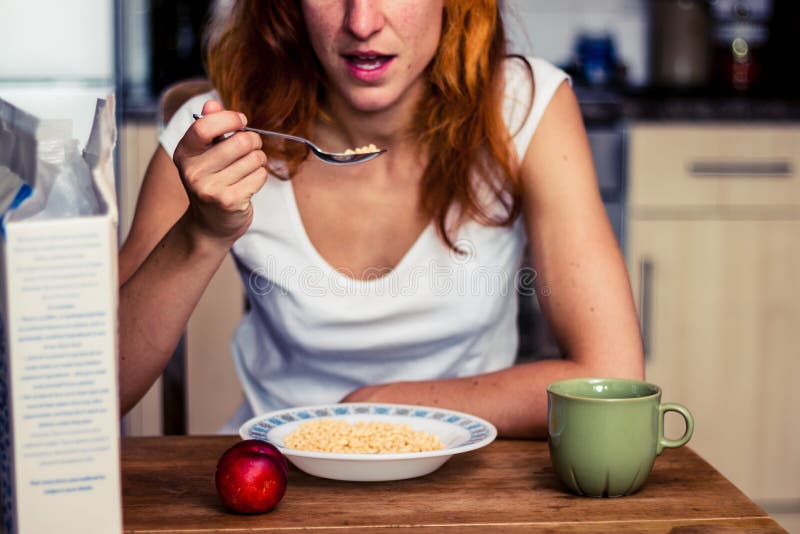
175	95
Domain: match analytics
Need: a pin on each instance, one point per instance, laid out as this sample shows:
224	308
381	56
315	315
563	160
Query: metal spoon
328	157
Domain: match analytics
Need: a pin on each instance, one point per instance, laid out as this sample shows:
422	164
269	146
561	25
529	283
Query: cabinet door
720	302
702	167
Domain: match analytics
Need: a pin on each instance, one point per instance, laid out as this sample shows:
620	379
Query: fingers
241	167
204	130
232	198
225	164
221	155
232	149
212	106
200	155
244	189
205	184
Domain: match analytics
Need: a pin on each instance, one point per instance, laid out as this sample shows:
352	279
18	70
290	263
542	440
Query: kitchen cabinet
211	389
713	249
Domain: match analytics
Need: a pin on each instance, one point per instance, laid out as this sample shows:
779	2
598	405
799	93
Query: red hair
260	60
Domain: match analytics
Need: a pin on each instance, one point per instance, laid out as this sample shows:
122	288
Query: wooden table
509	486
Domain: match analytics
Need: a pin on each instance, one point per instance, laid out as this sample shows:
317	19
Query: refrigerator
58	58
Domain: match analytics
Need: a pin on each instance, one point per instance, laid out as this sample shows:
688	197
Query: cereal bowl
459	432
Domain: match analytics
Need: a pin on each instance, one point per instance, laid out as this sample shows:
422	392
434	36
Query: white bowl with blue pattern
459	432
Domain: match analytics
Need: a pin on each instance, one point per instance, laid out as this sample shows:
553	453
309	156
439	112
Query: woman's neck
350	128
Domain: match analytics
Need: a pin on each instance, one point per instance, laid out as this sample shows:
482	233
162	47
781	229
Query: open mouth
368	62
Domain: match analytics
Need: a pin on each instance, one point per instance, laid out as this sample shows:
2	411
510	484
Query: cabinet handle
645	302
772	169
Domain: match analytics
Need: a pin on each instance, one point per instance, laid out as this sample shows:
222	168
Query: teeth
368	62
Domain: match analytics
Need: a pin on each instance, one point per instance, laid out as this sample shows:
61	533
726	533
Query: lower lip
368	75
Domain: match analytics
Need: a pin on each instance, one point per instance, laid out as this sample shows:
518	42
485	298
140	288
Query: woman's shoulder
531	70
530	83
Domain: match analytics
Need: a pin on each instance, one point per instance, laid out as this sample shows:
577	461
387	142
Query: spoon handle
276	134
265	132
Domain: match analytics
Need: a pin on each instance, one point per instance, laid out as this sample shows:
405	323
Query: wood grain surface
509	486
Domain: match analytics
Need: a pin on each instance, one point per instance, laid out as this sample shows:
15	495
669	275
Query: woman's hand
220	176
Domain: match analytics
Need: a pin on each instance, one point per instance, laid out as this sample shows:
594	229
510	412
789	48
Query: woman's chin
374	100
372	105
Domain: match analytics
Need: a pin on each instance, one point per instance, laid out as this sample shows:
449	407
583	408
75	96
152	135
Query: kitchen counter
609	105
604	105
509	486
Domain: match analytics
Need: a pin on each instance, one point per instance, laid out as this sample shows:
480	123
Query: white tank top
314	334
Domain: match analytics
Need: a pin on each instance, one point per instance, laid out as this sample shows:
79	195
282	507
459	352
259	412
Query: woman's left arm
589	306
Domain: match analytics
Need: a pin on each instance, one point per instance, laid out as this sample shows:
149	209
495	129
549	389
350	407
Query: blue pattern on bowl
478	431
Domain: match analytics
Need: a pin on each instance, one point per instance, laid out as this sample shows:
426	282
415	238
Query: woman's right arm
189	214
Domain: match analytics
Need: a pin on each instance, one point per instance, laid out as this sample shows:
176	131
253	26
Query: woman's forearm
155	304
513	399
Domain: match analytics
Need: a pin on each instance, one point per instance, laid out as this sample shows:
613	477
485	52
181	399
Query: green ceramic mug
605	433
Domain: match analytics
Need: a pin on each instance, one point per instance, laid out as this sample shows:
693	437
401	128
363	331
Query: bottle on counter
741	34
681	44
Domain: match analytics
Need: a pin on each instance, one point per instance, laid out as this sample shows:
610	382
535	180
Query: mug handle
688	419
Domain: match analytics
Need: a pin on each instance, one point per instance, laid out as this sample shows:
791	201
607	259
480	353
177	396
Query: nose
364	18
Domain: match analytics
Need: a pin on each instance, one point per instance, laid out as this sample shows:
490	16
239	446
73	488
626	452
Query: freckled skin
406	29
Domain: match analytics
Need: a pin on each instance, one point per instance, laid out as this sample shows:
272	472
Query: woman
389	281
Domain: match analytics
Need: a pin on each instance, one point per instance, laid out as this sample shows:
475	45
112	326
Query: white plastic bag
43	175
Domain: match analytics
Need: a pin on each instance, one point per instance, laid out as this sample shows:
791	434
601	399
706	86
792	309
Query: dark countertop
609	105
601	105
